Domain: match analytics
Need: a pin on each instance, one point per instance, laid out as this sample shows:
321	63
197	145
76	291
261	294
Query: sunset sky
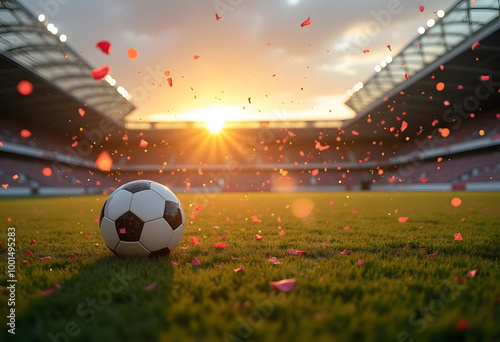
258	50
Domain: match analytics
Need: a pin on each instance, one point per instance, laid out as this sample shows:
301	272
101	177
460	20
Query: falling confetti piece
150	287
306	22
194	240
239	269
404	125
223	237
104	161
423	179
166	73
28	253
196	262
25	133
132	54
258	237
255	219
314	172
104	46
463	325
58	286
440	86
284	285
475	45
196	56
402	219
406	76
32	242
471	274
218	17
47	171
46	258
389	47
143	143
456	201
458	237
485	78
49	292
81	111
445	132
170	82
5	186
355	132
296	252
366	51
100	73
219	245
422	8
347	228
25	87
361	262
198	207
274	261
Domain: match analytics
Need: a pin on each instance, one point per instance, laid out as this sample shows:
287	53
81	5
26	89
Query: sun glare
214	124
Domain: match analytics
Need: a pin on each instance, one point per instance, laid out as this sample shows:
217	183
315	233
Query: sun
215	124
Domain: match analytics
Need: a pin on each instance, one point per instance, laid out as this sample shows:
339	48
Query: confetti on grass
296	252
458	237
239	269
150	287
219	245
196	262
285	285
194	240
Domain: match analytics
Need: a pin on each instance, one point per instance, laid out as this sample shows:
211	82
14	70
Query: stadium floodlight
388	59
50	27
350	92
383	64
440	13
421	30
63	38
431	22
41	18
128	97
378	68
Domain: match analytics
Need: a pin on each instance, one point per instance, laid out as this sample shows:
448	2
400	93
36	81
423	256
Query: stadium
421	141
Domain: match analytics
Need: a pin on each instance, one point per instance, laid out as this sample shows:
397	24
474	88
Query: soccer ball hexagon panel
142	218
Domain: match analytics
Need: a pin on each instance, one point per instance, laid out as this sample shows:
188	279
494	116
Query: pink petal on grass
281	232
421	7
296	252
458	236
58	286
194	240
347	228
174	264
258	237
361	262
432	255
196	262
274	261
239	269
49	292
403	219
346	252
32	242
150	286
284	285
88	236
471	274
255	219
46	258
223	237
28	253
184	247
219	244
26	261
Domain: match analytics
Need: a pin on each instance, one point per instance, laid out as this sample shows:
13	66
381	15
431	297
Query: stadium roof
447	39
36	46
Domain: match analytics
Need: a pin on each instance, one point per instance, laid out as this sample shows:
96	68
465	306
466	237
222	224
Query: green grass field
398	295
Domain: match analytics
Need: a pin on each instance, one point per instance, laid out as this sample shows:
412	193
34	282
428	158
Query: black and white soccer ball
142	218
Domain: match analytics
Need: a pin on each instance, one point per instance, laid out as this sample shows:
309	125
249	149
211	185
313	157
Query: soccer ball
142	218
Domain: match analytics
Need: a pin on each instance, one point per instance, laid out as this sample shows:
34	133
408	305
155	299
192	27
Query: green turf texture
398	295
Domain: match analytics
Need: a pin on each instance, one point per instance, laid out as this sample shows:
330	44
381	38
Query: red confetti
219	245
406	76
296	252
104	161
100	73
47	292
104	46
284	285
150	287
306	22
223	237
281	232
197	208
170	83
255	219
389	47
166	73
46	258
471	274
81	111
132	53
218	17
361	262
433	255
458	237
440	86
196	56
32	242
25	133
404	125
143	143
402	219
422	8
346	252
274	261
314	172
47	171
25	87
475	45
28	253
194	240
5	186
239	269
463	325
258	237
196	262
423	179
174	264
